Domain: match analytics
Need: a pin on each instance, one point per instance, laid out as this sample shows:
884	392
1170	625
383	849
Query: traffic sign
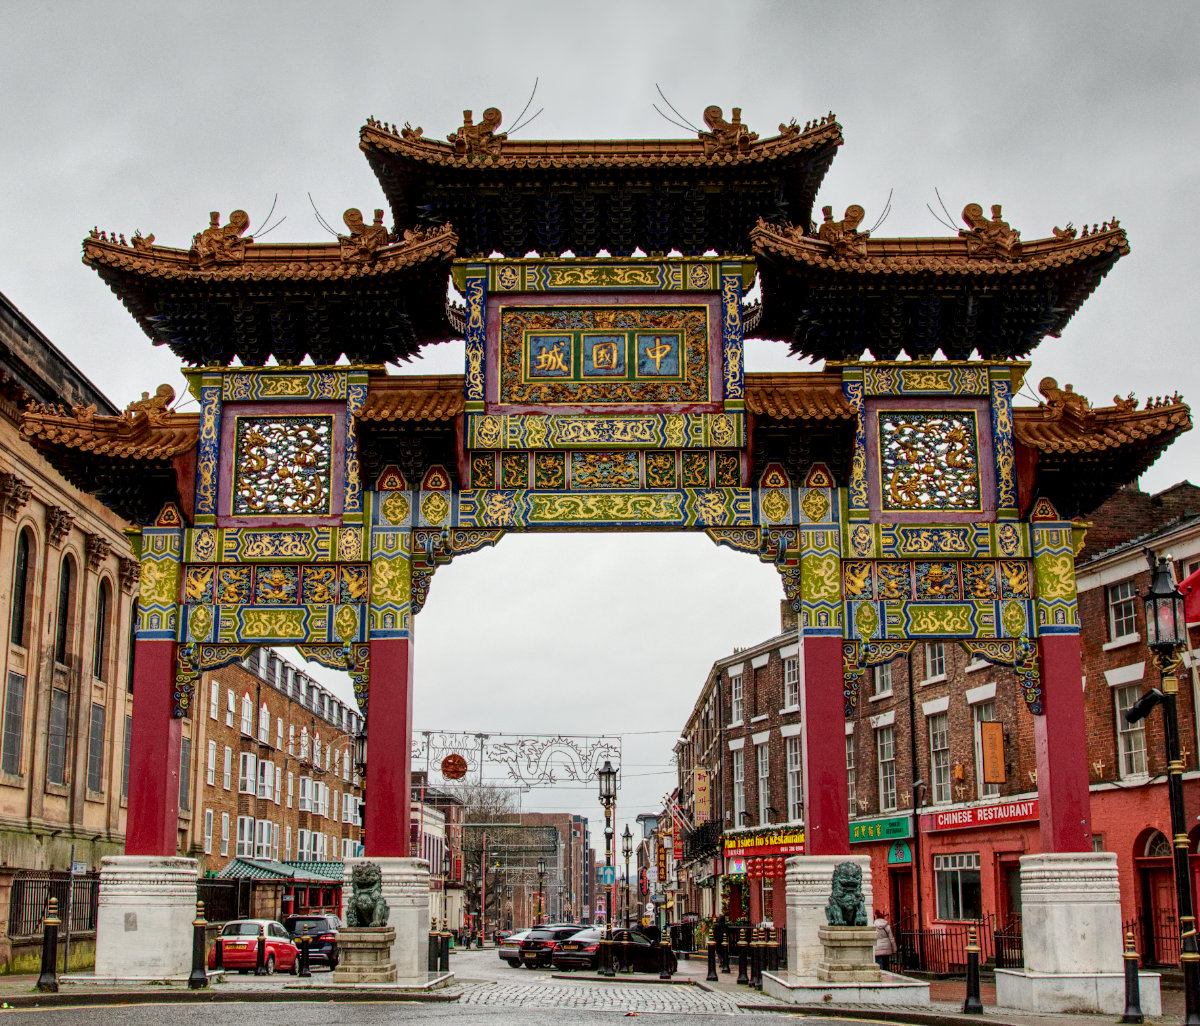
608	875
78	868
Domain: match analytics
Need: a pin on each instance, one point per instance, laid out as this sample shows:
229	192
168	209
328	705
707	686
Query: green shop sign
889	829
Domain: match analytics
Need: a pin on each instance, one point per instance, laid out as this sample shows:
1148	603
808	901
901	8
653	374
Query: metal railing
1155	937
1008	945
942	950
32	890
225	899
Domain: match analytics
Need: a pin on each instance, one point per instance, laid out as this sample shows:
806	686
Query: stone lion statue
846	906
366	906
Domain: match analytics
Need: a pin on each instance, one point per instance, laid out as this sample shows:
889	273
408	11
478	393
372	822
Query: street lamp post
445	882
627	850
541	890
607	775
1166	634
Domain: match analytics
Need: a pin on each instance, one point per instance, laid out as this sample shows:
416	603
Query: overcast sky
149	115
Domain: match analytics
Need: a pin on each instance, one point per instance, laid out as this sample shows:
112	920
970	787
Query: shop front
888	841
755	890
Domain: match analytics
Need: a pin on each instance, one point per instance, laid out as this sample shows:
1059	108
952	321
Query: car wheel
270	966
333	964
295	969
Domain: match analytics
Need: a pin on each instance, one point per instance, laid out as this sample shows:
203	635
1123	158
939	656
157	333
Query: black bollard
723	952
781	951
756	959
664	972
606	956
742	976
712	961
48	980
433	947
444	952
305	941
626	965
260	952
971	1004
218	953
1133	987
199	978
769	950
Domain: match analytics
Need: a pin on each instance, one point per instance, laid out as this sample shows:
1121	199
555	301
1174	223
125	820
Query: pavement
485	989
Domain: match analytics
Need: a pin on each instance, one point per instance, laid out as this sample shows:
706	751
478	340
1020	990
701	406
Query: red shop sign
981	816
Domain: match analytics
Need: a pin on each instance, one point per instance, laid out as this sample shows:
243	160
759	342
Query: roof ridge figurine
364	239
989	238
843	235
222	244
726	136
473	139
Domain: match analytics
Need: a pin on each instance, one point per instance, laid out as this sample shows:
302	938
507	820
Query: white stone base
890	990
1073	992
432	981
406	890
809	879
144	920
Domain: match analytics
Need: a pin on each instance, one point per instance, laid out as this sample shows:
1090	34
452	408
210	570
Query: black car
631	948
322	936
540	944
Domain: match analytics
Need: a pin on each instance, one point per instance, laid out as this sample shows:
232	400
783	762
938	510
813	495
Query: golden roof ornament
843	235
364	239
478	139
222	244
155	407
1060	401
725	136
986	237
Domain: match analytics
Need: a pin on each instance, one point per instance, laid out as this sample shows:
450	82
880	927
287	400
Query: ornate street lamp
541	892
607	776
1166	634
627	850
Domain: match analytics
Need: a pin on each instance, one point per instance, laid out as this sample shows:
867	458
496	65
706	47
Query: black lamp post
627	850
1166	634
541	890
607	775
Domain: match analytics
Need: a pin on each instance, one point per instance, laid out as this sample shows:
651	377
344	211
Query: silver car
510	948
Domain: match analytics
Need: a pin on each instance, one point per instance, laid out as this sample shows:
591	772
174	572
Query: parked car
322	936
630	947
239	947
538	947
502	935
510	947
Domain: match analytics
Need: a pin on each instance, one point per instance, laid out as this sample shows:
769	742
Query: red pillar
389	755
823	713
1060	742
152	821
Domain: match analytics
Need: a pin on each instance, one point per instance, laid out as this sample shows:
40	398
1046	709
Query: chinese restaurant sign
981	815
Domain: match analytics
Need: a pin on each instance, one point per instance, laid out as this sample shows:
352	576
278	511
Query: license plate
570	947
240	944
530	954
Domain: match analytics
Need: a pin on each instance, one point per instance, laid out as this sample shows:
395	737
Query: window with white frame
211	770
851	784
305	804
290	791
230	702
735	699
208	831
247	715
303	744
275	841
791	682
1122	610
247	766
885	754
224	833
957	883
935	659
883	679
739	787
214	700
762	758
291	739
939	756
336	796
278	783
795	782
245	836
228	768
1131	737
983	712
302	844
262	839
287	843
264	724
279	733
266	778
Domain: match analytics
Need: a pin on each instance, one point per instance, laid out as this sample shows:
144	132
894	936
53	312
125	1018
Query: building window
229	704
208	831
95	757
279	733
291	739
14	724
100	640
305	803
762	755
262	839
125	757
851	784
883	679
278	783
66	597
984	712
228	773
935	660
287	843
56	740
185	774
885	751
1122	611
211	771
246	773
20	588
739	787
289	794
939	756
275	841
224	833
735	692
214	700
956	879
266	778
791	682
1131	737
302	844
245	836
247	715
264	724
795	784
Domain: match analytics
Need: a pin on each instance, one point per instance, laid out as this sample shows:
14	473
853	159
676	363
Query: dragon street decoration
528	760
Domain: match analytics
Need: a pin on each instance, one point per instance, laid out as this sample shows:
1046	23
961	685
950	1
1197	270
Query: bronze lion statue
846	906
366	906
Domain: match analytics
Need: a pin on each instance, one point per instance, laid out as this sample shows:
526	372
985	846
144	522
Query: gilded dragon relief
928	460
282	466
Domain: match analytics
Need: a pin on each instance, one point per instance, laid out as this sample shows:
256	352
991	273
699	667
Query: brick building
945	837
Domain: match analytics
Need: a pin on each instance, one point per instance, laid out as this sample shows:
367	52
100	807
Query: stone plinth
1071	931
405	887
365	955
809	880
848	955
144	920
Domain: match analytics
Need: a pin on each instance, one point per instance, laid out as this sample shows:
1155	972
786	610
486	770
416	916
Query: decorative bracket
1021	655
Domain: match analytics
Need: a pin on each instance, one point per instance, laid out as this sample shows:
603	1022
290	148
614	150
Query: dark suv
541	943
322	936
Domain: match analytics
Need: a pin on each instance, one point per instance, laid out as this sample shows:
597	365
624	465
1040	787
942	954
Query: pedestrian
885	940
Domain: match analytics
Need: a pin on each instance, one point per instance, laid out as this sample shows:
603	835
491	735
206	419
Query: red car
238	942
